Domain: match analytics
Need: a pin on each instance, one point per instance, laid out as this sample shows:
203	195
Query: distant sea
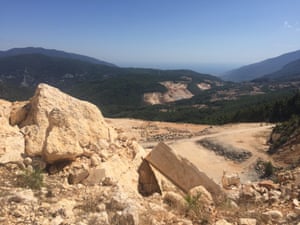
213	69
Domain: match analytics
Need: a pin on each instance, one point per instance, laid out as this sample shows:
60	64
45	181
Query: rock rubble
61	164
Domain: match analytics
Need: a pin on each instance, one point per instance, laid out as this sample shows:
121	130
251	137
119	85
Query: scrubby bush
269	169
31	178
196	209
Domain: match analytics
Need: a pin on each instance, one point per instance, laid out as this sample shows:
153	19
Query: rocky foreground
61	163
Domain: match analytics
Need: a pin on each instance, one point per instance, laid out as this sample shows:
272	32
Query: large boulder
12	141
180	171
59	127
148	183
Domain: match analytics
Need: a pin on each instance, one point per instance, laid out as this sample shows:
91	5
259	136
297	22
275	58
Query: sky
204	35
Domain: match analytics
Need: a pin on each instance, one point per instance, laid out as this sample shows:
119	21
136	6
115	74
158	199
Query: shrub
269	169
32	179
91	203
196	210
193	202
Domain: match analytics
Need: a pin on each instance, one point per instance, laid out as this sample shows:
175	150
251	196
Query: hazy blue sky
157	33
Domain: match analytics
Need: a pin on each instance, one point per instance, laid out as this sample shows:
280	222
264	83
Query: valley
196	149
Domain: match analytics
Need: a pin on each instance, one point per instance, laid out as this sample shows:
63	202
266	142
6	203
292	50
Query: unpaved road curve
249	136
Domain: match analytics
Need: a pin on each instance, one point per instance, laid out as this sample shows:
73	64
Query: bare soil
184	138
176	91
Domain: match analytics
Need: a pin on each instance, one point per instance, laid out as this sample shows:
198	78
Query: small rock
229	180
57	221
30	168
95	177
247	221
104	156
18	213
295	202
274	215
247	192
23	196
118	201
108	181
291	216
265	197
78	176
27	161
174	200
39	163
101	218
129	216
274	195
81	223
131	213
297	210
101	207
223	222
233	204
185	222
269	184
95	160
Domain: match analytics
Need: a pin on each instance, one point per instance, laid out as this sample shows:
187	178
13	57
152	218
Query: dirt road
251	137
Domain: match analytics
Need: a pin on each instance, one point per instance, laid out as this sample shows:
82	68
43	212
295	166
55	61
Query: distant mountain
256	70
112	88
290	72
28	70
52	53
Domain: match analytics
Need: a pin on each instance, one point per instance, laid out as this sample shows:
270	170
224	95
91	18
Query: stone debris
229	180
11	139
223	222
236	154
90	173
175	201
179	170
268	184
247	221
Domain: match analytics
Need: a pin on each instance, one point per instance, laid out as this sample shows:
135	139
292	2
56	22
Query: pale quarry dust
176	91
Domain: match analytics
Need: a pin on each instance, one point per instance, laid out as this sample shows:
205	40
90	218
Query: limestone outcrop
18	113
110	181
59	127
12	141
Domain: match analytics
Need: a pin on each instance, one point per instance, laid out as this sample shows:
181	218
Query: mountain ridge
289	72
53	53
259	69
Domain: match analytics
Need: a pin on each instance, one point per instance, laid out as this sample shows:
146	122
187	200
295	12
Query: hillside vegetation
119	92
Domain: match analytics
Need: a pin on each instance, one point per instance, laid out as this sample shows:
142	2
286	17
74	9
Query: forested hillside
119	92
